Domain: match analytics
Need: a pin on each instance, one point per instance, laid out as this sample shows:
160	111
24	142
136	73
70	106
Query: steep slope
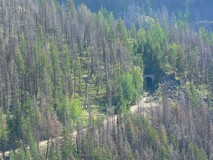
57	63
194	10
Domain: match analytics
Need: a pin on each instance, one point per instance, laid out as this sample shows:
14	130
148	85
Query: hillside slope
58	63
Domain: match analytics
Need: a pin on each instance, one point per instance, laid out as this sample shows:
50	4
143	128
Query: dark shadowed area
148	84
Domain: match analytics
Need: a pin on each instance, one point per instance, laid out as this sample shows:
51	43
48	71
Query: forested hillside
69	76
197	12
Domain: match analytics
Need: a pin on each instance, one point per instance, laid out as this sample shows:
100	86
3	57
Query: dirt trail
147	106
144	106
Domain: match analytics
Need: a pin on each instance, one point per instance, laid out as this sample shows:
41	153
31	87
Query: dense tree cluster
46	52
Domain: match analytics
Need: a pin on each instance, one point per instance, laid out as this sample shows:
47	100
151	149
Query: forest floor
146	106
